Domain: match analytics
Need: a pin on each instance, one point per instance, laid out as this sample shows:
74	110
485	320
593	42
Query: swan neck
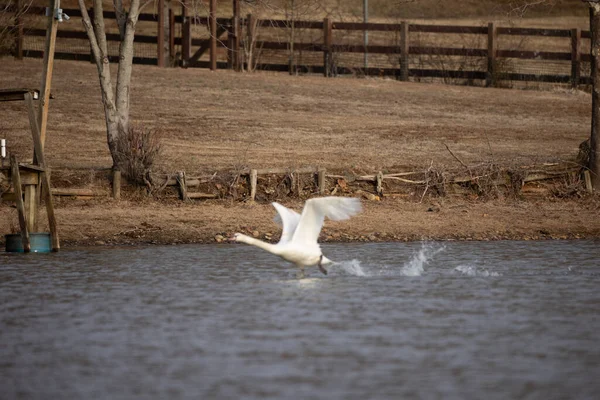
259	243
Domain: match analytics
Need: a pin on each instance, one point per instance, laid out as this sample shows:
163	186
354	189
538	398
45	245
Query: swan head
237	237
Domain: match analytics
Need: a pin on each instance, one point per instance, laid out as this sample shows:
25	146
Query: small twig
456	158
426	181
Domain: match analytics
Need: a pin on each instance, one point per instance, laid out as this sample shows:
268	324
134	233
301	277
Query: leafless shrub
137	151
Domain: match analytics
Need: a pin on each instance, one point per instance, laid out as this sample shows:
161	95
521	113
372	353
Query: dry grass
223	120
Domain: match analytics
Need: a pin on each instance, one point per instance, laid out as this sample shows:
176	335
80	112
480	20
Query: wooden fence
227	38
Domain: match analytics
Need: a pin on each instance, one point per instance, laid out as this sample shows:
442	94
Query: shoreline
152	222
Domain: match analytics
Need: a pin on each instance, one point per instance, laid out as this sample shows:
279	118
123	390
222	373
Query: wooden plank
451	29
534	55
72	192
86	57
199	196
30	203
28	177
49	48
449	51
534	32
83	36
17	94
39	153
16	179
286	24
205	45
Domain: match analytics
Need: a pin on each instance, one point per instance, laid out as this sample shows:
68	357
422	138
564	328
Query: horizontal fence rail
240	43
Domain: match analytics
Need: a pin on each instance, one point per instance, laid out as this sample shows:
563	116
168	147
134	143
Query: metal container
40	243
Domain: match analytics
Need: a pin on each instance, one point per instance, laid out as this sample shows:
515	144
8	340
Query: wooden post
250	41
575	57
594	160
31	207
186	34
236	34
47	75
45	174
171	35
16	179
160	37
212	21
327	53
379	186
116	184
588	181
490	79
404	51
19	38
182	186
321	181
253	183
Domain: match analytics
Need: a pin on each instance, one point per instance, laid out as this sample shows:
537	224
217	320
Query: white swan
298	243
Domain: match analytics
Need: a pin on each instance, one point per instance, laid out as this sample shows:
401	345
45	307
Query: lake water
456	320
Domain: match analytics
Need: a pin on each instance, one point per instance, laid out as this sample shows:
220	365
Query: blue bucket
40	243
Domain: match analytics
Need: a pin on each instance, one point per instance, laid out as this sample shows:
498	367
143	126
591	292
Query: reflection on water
454	320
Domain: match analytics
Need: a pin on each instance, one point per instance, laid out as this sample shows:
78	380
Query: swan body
298	243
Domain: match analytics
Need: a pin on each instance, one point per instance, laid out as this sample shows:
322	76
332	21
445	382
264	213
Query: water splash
471	270
352	267
416	266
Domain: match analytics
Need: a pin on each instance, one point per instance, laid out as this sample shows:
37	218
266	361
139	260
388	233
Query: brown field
216	121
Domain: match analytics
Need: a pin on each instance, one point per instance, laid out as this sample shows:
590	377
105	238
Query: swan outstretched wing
315	211
288	219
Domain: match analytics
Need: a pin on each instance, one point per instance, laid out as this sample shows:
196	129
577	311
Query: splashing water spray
416	266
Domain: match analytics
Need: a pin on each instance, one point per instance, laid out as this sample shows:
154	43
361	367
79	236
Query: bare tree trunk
116	107
594	160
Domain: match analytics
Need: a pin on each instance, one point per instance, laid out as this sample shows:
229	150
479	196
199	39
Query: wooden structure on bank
34	177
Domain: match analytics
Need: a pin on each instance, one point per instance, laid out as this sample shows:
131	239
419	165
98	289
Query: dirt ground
217	121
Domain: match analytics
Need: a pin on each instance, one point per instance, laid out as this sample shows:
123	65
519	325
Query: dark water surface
469	320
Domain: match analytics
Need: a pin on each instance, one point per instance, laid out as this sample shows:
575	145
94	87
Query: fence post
404	51
212	21
327	39
234	37
575	57
171	35
182	185
116	184
322	181
160	39
19	38
237	32
250	42
186	34
490	79
253	183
